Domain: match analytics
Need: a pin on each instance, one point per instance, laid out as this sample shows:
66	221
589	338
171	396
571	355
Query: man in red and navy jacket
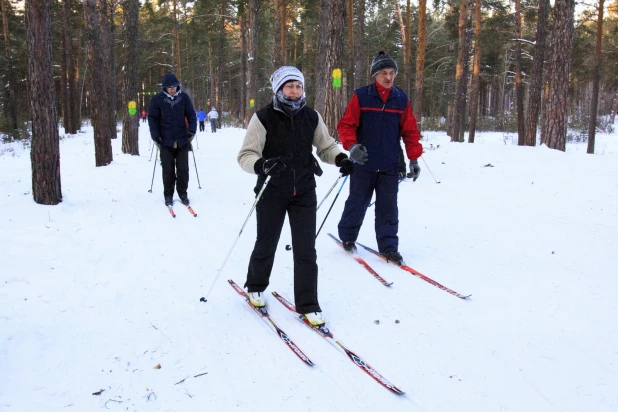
377	116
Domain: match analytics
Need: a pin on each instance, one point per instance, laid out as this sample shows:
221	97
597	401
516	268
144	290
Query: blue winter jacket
201	116
171	117
379	126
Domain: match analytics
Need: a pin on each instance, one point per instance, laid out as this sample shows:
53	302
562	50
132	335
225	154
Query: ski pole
153	171
199	185
434	179
151	150
327	194
257	199
332	204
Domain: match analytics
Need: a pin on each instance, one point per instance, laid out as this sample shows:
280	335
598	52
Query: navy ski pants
175	165
362	185
301	211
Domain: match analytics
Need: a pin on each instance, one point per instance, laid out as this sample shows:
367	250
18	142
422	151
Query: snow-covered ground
98	291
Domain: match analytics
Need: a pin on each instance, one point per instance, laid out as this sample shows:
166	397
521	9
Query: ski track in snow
98	291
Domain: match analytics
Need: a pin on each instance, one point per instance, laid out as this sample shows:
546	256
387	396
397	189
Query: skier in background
213	116
201	116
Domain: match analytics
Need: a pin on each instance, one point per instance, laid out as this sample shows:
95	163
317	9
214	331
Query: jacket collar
373	91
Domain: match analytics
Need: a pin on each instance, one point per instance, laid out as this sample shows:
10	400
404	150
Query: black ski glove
157	141
272	167
346	166
415	170
358	153
190	134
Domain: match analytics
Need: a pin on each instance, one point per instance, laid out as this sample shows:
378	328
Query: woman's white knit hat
285	74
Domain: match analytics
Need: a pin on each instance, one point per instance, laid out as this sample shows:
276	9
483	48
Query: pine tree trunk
98	96
408	50
350	49
243	61
476	78
252	63
329	100
535	88
556	107
420	62
460	81
519	87
107	70
596	78
177	69
10	105
221	55
69	95
45	145
403	71
277	50
130	122
360	68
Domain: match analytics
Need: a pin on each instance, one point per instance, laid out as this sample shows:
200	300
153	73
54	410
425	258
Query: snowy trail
99	290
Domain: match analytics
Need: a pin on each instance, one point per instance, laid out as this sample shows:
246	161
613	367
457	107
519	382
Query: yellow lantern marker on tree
251	103
337	78
132	108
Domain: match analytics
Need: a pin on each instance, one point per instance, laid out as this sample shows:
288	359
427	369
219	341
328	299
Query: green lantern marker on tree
251	103
337	78
132	108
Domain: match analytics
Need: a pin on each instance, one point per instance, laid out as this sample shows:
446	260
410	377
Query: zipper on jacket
293	170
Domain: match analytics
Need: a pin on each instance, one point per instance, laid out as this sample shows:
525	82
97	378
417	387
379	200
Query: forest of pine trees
529	67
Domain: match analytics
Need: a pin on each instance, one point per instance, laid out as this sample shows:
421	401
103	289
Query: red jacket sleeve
349	123
410	134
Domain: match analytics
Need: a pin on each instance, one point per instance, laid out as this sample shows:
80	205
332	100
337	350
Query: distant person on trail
213	116
279	143
172	123
144	115
201	116
376	117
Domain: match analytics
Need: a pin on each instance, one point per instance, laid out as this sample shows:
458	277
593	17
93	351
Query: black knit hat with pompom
382	61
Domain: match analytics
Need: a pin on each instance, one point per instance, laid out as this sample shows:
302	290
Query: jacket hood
170	80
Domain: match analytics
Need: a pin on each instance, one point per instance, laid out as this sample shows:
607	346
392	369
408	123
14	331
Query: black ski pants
202	127
175	165
301	211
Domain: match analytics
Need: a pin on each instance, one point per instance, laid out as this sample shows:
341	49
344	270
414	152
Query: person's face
171	90
293	90
386	78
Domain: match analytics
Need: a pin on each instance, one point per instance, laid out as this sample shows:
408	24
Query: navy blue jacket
379	128
171	117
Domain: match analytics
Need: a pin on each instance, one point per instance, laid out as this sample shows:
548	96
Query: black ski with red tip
415	272
324	332
263	313
362	262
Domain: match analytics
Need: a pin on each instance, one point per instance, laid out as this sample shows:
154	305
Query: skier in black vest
279	142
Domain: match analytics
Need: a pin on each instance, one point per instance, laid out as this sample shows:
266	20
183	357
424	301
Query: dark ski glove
273	166
415	170
358	153
190	134
157	141
346	166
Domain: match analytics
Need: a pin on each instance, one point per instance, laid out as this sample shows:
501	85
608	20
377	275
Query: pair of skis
321	330
189	208
400	265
